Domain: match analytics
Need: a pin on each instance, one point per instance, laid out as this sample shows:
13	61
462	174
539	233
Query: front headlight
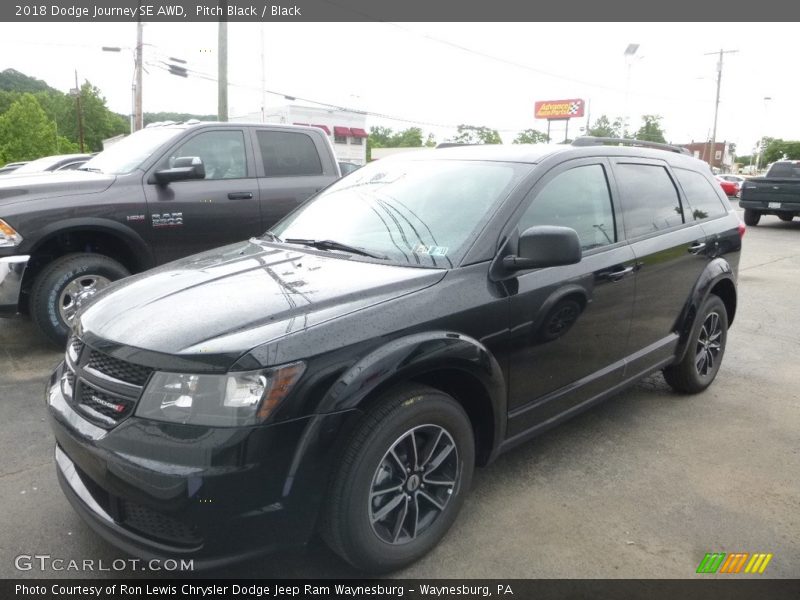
9	237
230	400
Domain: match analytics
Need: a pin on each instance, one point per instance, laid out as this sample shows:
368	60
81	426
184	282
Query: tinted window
650	199
580	199
700	195
222	153
784	169
286	153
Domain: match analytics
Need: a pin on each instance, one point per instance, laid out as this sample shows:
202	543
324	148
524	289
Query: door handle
619	274
240	196
696	248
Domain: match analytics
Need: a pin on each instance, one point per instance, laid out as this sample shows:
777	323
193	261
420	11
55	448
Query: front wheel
705	350
64	286
751	217
401	481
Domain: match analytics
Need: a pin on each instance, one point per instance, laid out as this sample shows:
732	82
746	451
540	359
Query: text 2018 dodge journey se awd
345	372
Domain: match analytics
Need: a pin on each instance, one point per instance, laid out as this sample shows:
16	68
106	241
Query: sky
437	75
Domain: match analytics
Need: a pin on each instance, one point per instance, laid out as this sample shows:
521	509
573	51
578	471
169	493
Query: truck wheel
751	217
401	480
786	218
704	352
64	285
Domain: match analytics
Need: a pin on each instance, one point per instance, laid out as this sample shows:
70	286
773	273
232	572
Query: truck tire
751	217
64	285
401	479
705	350
786	218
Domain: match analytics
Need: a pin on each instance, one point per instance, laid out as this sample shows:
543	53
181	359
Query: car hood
23	188
227	301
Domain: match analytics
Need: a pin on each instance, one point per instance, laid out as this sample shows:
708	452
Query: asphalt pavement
639	487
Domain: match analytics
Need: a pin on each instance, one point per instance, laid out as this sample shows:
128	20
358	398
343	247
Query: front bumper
12	268
214	495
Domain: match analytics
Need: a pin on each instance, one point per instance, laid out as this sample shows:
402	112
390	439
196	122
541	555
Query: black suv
345	372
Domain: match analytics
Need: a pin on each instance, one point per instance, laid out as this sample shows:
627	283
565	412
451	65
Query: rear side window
785	169
579	199
650	199
700	195
288	154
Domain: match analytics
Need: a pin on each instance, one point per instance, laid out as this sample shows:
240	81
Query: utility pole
78	111
138	117
222	64
716	105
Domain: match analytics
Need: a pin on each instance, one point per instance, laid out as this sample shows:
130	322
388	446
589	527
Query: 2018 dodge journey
345	372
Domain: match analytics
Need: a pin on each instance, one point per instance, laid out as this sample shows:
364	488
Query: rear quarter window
701	195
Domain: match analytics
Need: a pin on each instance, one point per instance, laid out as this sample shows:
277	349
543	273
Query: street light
763	133
133	84
630	51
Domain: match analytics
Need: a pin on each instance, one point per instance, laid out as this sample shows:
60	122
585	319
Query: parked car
46	164
777	193
738	179
346	371
731	188
11	167
157	195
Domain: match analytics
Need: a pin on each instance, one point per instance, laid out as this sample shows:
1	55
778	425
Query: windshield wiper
333	245
271	236
90	169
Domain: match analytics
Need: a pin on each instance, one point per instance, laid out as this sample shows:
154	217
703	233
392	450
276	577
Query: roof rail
453	144
589	140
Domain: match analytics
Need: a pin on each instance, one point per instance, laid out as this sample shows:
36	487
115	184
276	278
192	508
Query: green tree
431	141
651	129
471	134
99	123
602	127
27	133
530	136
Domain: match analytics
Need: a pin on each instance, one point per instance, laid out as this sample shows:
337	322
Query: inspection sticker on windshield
431	250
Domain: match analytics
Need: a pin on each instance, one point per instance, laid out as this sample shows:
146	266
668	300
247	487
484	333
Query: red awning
357	132
341	131
324	128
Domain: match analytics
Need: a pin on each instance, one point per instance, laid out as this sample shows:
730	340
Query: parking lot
639	487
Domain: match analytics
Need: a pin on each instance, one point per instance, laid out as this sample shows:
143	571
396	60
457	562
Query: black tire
50	290
786	218
751	217
705	350
351	522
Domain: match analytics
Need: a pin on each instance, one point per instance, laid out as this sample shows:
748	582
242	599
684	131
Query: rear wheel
64	286
401	481
751	217
705	350
786	218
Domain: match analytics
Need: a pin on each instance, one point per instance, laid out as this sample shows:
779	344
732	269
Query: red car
731	188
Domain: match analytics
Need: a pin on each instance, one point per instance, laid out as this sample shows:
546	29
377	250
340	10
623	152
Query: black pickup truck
160	194
777	193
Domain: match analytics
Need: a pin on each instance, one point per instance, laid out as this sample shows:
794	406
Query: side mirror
185	167
545	246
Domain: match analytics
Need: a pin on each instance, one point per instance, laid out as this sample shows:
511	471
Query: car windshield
414	212
129	153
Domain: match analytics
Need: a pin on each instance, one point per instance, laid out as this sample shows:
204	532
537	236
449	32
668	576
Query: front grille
118	369
113	407
103	388
158	525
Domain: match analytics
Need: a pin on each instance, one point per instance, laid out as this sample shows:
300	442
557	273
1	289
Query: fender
140	248
414	356
717	270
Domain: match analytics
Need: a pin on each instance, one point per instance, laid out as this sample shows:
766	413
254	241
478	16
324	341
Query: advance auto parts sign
559	109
